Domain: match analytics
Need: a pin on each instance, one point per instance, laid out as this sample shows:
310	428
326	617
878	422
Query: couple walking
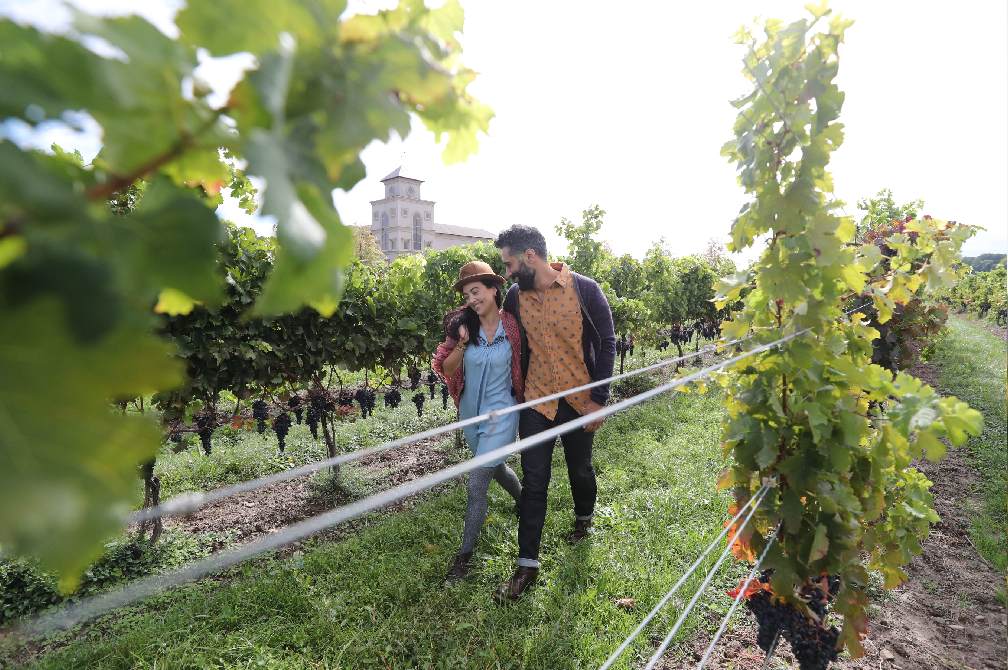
551	332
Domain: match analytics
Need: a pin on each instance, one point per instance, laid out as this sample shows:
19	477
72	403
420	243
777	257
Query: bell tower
402	222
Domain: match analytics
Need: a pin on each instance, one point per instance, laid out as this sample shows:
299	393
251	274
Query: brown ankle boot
513	588
459	568
582	528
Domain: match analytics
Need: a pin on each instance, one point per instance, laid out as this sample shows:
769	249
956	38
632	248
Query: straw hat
477	271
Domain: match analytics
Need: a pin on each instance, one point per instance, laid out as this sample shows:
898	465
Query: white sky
626	105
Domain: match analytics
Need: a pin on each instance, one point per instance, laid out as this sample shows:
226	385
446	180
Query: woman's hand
463	336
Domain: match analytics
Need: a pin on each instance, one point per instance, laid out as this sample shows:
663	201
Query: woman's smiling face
481	298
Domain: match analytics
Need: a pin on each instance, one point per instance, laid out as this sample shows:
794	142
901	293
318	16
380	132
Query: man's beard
525	277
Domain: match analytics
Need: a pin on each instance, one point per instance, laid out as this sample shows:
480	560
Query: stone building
403	223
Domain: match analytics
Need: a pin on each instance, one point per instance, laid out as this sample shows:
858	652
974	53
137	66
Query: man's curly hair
518	238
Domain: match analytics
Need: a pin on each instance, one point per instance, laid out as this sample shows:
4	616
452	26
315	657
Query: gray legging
476	503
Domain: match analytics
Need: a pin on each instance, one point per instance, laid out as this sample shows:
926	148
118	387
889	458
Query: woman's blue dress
488	387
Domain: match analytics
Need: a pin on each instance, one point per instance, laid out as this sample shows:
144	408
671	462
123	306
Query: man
567	340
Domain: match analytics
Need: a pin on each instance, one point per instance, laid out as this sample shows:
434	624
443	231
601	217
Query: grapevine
137	226
847	498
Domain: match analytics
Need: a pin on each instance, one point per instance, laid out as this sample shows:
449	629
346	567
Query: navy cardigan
598	338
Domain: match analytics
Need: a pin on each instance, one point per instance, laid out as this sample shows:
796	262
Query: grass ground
376	600
972	362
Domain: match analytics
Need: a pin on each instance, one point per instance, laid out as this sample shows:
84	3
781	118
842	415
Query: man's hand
592	406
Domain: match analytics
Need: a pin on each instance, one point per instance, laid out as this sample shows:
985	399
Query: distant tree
984	262
366	247
624	274
584	250
717	257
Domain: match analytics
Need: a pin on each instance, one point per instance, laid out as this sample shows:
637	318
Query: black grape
260	412
281	426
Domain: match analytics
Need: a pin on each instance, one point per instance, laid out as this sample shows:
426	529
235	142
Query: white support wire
699	593
187	503
738	599
154	584
753	501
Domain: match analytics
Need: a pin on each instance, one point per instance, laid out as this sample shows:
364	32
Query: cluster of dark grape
393	398
260	412
680	334
813	644
431	381
418	400
444	396
709	330
366	399
296	405
205	423
316	411
624	347
281	426
345	399
414	377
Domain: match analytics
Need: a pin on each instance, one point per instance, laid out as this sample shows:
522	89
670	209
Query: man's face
518	269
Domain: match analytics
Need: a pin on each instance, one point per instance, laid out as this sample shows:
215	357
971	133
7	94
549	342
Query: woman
480	363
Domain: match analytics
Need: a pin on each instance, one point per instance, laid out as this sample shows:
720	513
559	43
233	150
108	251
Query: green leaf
840	456
48	72
818	422
294	282
174	303
854	277
820	544
72	461
932	447
11	248
229	26
767	455
172	239
791	511
39	186
301	236
729	288
147	116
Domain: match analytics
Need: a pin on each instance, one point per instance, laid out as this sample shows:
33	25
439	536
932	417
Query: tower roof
397	173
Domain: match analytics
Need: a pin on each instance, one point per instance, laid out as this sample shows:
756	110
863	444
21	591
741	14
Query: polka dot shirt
553	325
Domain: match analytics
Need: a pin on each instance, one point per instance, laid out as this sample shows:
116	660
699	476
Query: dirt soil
251	515
946	616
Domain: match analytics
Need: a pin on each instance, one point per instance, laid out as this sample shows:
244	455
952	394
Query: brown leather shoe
582	529
513	588
459	569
